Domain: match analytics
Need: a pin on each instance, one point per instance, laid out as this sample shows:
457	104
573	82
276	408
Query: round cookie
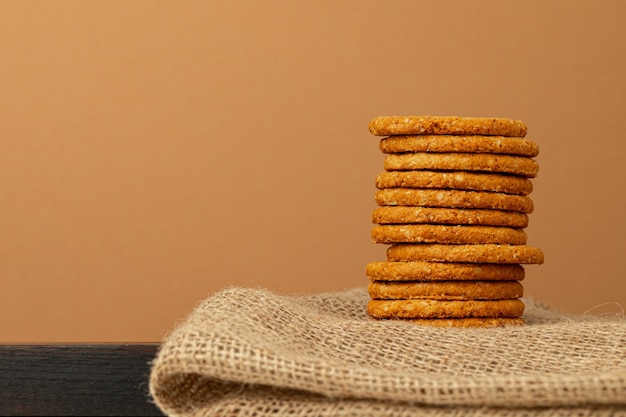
445	290
448	143
470	322
449	234
446	125
507	164
457	180
485	253
438	215
442	271
422	309
453	199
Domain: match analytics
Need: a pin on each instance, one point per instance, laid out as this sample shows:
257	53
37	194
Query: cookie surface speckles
420	309
449	143
445	290
506	164
453	199
446	125
428	233
439	215
442	271
486	253
471	322
457	180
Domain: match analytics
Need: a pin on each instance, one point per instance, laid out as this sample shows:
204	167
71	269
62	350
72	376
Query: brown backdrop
153	152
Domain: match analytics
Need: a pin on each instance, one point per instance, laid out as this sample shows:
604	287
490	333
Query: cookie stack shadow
453	205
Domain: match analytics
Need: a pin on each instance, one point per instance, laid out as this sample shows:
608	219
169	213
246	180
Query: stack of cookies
453	204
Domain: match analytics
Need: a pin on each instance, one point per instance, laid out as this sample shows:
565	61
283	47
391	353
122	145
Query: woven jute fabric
252	352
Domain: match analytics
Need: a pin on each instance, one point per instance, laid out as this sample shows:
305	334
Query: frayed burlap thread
252	352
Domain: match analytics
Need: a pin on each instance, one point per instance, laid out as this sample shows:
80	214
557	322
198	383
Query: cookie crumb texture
474	322
487	253
429	233
445	290
463	144
421	309
504	164
452	216
424	271
417	197
455	180
446	125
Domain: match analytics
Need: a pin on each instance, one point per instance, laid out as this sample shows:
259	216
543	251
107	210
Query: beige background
153	152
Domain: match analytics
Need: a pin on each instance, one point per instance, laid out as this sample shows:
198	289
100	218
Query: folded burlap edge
184	378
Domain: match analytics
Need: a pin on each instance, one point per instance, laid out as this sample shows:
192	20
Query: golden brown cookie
470	322
449	143
449	234
421	309
421	197
485	253
446	125
438	215
456	180
445	290
506	164
442	271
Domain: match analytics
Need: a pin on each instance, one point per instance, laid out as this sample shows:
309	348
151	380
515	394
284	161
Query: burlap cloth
251	352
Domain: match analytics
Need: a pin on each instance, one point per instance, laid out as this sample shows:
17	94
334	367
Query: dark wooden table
76	380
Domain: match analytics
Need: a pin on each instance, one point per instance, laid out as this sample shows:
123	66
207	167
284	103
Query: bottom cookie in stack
444	312
451	285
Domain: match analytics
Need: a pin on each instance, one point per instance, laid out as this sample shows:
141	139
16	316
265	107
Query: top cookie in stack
453	205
